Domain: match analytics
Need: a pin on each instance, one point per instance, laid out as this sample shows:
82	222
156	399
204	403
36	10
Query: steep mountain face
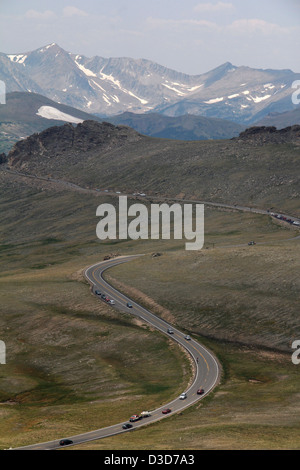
115	85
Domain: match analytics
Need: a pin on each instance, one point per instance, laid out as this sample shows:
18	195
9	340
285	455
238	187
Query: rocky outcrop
269	135
3	158
69	140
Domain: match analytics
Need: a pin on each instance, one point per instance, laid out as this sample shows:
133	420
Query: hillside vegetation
76	364
259	168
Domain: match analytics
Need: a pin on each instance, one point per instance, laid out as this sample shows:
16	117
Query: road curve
207	370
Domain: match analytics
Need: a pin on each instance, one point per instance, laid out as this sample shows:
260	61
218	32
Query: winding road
207	370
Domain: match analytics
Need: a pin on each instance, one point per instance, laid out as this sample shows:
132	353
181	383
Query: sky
190	36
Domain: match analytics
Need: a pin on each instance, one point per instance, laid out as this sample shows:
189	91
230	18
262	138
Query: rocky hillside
261	135
68	143
259	168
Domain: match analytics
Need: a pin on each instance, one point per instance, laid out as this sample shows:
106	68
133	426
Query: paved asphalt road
207	370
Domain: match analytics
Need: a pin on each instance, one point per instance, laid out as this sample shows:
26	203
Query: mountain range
111	86
27	113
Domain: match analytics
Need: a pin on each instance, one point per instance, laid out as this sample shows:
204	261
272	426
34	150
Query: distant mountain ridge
281	120
116	85
27	113
187	127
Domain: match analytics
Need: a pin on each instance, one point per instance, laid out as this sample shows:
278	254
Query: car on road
103	296
97	292
129	305
134	418
111	301
187	337
170	331
65	442
251	243
127	426
200	391
145	414
183	396
166	411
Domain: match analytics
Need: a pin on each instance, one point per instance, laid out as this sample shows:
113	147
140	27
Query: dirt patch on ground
272	355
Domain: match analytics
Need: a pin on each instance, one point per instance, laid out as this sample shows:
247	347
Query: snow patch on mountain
87	72
48	112
270	86
179	93
258	99
214	100
193	88
17	58
117	83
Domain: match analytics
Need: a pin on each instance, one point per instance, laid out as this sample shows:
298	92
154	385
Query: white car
183	396
112	302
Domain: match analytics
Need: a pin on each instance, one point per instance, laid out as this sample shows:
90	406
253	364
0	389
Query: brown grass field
75	364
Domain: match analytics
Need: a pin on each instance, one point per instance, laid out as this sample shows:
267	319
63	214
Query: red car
134	418
166	411
200	391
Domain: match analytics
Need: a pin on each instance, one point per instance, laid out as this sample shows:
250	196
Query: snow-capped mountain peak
115	85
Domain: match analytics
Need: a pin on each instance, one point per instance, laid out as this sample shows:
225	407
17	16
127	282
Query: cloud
213	7
157	23
38	15
256	25
73	11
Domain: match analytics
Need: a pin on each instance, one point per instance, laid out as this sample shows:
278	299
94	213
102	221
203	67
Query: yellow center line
109	288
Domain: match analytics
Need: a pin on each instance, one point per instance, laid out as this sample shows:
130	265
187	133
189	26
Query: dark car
103	296
166	411
251	243
127	426
129	305
65	442
97	292
200	391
